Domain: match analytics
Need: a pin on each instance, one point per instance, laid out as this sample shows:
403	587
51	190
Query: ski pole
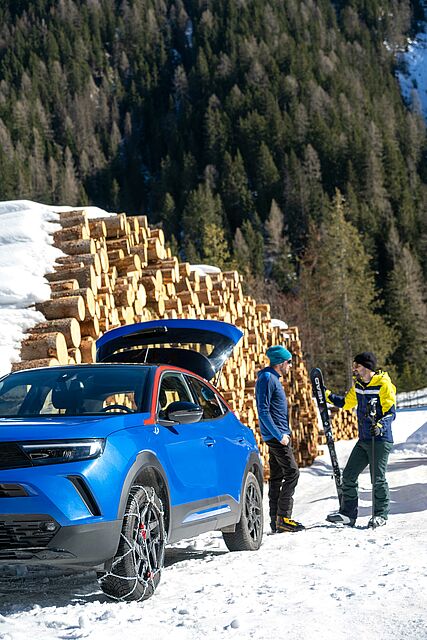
373	417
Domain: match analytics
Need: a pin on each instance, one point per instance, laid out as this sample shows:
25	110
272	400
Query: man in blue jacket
272	408
372	392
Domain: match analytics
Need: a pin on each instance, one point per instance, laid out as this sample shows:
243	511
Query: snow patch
26	255
413	79
204	269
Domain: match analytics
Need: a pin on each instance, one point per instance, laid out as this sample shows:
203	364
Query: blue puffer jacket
381	387
272	405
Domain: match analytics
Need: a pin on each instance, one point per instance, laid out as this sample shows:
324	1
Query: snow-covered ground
325	582
26	255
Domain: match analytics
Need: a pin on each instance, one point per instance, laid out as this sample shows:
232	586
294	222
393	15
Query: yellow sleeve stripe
387	396
350	400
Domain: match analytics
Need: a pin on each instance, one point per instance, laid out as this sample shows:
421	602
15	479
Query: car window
206	398
80	390
11	399
172	389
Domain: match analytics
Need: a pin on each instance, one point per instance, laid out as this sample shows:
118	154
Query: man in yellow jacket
374	395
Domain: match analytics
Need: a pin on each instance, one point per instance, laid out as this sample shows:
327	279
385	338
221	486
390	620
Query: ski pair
316	377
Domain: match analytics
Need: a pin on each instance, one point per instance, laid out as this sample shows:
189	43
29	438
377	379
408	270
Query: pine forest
268	136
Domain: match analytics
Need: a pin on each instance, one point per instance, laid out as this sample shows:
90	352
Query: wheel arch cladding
255	467
147	471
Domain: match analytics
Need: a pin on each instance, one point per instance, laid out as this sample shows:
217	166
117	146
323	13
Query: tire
249	529
137	565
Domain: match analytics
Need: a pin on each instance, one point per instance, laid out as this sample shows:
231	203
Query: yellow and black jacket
381	387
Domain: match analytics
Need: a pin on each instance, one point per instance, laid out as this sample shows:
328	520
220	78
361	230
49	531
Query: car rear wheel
136	568
248	533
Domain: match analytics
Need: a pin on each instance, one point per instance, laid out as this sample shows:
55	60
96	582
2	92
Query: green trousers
359	459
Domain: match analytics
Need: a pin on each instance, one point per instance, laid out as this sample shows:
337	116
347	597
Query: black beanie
367	359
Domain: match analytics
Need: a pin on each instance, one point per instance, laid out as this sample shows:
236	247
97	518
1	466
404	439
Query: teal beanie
278	354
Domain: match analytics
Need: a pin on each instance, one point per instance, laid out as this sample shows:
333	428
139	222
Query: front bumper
24	539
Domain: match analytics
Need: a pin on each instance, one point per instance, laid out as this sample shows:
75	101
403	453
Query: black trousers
284	474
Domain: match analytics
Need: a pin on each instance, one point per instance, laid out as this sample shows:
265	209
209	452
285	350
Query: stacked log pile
117	270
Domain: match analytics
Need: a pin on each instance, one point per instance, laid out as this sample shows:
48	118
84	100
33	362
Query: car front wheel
136	567
248	533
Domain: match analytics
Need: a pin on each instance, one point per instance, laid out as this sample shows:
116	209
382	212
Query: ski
316	377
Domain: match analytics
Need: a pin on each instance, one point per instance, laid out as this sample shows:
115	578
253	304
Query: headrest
68	395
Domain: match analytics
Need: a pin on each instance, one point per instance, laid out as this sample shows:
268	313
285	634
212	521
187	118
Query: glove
377	429
328	394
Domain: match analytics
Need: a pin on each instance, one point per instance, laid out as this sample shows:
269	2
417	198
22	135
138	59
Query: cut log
86	294
124	296
158	233
85	276
141	295
69	327
184	269
97	228
115	225
128	263
70	233
73	219
88	349
64	285
155	250
77	261
119	243
141	251
48	345
90	327
78	247
34	364
68	307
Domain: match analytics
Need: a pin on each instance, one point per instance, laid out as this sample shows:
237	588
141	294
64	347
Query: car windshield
71	391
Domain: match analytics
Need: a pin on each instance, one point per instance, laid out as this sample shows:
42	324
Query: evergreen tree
215	249
241	252
216	131
255	243
339	298
235	193
266	181
278	259
202	208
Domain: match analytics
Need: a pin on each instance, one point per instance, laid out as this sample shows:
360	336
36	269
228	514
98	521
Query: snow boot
340	518
273	525
287	524
377	521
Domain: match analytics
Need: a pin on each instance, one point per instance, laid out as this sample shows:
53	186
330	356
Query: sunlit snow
413	79
26	255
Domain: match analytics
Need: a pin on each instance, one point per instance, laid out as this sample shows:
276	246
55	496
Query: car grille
17	532
12	456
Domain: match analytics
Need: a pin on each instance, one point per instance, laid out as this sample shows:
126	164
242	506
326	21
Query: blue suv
102	464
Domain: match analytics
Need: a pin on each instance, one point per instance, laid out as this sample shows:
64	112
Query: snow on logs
117	270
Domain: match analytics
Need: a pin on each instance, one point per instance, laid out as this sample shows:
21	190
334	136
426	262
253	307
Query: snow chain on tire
149	580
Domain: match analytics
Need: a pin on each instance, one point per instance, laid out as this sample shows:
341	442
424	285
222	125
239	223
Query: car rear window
85	390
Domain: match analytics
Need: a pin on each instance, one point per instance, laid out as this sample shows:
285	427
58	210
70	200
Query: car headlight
65	451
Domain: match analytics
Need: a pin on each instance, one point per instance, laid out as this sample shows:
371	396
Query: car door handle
209	442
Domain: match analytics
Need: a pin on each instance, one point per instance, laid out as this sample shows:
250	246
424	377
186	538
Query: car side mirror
184	412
